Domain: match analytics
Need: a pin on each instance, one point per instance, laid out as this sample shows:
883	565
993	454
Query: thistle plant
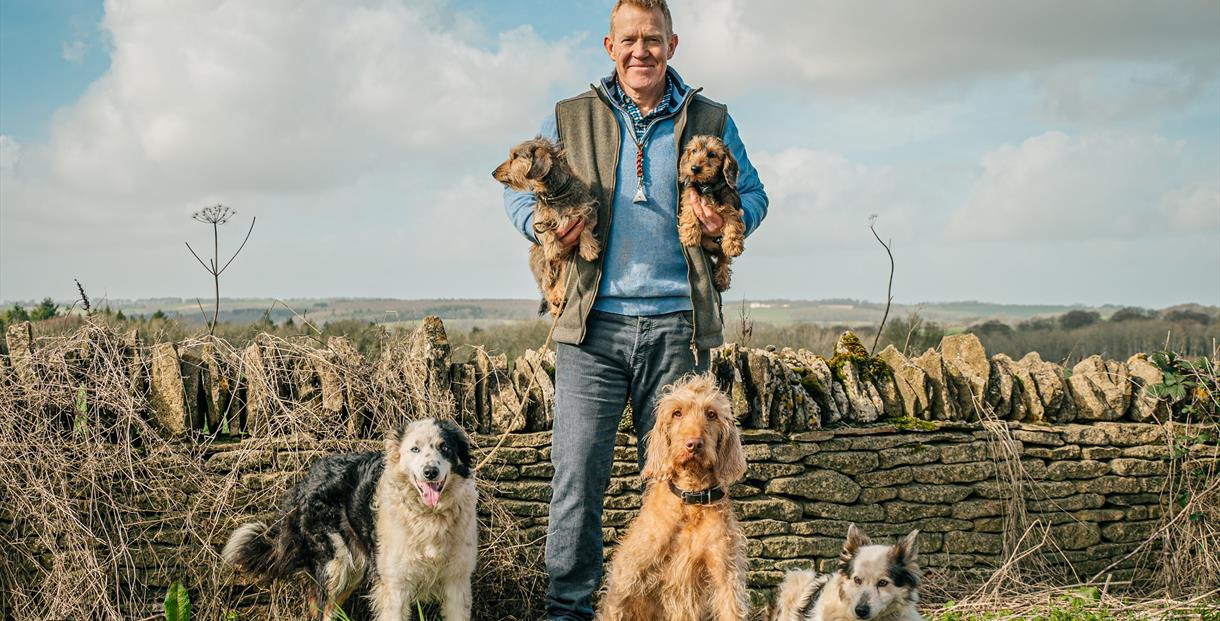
217	215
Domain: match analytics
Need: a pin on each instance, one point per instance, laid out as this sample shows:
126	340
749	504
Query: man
645	313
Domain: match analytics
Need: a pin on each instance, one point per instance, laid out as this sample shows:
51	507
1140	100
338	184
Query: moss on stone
910	423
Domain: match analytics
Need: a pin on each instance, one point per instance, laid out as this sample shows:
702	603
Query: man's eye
414	449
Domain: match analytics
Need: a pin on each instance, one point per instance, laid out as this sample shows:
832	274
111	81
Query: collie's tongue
430	492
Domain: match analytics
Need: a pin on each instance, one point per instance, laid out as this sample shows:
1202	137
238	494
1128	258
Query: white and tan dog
402	520
871	583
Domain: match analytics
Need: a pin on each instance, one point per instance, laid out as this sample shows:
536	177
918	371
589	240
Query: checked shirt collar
640	122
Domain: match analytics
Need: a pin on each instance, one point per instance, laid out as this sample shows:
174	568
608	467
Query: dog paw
589	248
733	246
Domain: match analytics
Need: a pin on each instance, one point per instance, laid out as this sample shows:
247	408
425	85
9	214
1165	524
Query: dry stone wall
970	449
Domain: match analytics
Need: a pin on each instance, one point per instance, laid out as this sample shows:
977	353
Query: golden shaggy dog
708	169
683	558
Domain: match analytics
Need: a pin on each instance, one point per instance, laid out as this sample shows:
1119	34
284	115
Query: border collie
403	521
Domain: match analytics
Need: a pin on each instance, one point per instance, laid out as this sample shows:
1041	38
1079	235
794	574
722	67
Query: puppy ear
730	168
540	163
656	453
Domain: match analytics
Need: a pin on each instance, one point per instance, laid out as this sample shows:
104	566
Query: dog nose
861	611
430	472
694	444
695	169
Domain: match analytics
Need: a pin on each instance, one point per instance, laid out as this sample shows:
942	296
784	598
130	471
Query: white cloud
10	154
1094	186
285	96
862	48
73	52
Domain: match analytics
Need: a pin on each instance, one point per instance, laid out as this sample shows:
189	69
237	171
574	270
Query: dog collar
561	193
706	189
701	497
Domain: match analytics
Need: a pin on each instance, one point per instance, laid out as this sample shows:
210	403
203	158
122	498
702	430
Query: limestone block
910	382
1046	393
943	406
817	485
1101	390
167	398
967	370
1145	407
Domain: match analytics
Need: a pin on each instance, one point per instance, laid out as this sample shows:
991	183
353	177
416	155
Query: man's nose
430	472
694	444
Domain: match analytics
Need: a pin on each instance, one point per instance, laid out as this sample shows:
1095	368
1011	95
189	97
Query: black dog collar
559	194
701	497
706	189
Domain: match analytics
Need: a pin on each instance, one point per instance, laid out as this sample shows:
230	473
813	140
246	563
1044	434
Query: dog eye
883	583
444	449
711	414
677	414
858	580
414	449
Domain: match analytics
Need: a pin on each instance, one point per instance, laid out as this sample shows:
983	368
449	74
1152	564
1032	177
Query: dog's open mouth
430	491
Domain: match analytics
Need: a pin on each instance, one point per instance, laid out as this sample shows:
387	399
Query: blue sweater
643	269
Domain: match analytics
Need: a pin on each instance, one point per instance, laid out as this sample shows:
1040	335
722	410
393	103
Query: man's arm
749	186
520	205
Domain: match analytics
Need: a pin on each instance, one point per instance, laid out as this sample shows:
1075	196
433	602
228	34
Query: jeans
620	357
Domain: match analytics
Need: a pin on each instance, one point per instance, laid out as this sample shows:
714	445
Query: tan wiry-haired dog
683	558
707	168
871	583
540	166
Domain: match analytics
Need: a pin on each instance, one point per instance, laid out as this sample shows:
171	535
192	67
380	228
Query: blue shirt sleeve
749	186
520	205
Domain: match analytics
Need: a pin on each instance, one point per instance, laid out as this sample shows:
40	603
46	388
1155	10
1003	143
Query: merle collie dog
400	523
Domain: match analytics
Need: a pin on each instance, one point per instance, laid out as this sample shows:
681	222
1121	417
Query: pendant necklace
639	174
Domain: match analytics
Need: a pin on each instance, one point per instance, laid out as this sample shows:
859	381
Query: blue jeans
620	357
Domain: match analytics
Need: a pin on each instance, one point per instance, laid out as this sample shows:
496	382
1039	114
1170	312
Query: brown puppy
540	166
709	169
683	558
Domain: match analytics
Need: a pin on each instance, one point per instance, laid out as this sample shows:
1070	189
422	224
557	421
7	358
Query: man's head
641	42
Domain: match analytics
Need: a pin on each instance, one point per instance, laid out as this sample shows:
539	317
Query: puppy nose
862	611
696	168
430	472
694	444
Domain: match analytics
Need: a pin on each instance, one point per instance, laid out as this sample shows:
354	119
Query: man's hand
569	234
710	221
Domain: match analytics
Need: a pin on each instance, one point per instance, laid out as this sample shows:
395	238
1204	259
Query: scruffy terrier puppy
684	557
709	169
871	583
541	167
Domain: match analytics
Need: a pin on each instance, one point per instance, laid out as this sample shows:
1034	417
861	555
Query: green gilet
589	131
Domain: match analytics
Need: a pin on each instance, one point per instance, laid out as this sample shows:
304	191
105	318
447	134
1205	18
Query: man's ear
608	43
673	45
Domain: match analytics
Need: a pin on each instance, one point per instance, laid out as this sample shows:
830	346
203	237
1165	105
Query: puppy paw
732	246
589	246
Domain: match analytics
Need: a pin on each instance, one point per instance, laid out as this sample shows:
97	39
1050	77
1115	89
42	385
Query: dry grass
97	500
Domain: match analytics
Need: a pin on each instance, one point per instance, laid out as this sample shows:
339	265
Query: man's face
640	46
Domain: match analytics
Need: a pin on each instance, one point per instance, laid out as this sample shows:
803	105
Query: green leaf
177	603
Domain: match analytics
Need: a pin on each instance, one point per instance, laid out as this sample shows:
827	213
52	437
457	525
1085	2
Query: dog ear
730	459
540	163
392	443
656	453
855	540
730	169
455	438
902	557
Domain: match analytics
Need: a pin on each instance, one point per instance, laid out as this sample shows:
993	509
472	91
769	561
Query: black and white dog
402	520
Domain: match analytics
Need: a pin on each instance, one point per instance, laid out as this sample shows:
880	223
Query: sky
1032	151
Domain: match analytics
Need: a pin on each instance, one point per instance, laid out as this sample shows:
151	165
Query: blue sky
1020	152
